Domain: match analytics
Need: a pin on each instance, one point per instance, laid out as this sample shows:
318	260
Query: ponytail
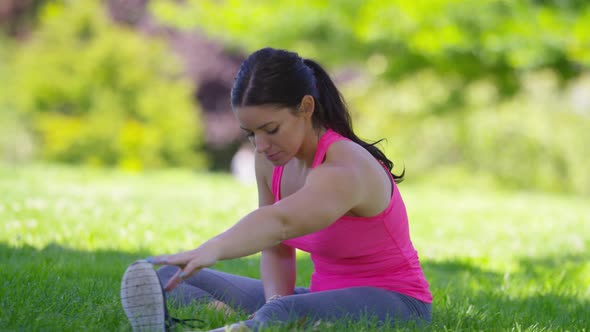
332	112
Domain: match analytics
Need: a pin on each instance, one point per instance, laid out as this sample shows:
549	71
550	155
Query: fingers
179	276
179	259
187	261
173	282
191	268
157	260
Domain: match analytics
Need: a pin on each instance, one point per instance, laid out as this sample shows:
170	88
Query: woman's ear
307	106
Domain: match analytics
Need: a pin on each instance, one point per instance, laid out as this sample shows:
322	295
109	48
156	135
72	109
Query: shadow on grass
58	288
543	294
62	289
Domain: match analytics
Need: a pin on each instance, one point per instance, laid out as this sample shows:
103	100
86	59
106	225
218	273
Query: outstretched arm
328	193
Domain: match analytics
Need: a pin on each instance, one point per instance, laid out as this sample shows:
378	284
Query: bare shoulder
349	153
364	175
347	161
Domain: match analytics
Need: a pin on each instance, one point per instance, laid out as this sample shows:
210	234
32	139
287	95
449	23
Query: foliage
15	139
468	39
485	86
93	92
535	139
493	87
495	260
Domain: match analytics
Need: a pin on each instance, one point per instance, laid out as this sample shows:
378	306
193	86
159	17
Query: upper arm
279	258
329	192
264	171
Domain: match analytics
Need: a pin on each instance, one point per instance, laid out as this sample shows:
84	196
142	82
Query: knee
275	311
166	272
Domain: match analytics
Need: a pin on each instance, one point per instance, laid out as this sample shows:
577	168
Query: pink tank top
362	251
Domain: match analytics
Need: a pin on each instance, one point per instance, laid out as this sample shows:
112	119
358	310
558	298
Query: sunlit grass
496	260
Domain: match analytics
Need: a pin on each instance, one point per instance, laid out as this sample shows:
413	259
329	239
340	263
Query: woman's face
275	131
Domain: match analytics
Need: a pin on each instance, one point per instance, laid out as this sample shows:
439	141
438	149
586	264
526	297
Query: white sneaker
143	299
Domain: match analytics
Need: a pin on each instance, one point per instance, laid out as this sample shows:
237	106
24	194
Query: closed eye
250	134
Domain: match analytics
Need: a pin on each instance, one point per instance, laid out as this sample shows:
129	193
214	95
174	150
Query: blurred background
495	91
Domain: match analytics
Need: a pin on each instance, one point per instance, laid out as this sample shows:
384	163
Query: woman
322	190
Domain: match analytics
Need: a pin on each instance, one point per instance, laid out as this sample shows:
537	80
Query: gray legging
248	294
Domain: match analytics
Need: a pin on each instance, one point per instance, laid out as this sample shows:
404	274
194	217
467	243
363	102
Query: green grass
496	260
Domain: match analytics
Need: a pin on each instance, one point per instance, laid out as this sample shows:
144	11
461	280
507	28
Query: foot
143	298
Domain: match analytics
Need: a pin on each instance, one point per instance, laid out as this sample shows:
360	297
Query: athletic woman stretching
322	190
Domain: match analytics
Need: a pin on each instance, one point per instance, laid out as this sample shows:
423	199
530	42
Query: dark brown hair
278	77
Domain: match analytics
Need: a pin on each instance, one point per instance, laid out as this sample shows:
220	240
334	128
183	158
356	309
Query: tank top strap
326	140
324	143
277	174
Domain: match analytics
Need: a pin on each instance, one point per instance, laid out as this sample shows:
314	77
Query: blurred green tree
461	38
97	93
481	86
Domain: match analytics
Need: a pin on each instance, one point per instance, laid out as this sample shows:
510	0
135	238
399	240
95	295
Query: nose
261	144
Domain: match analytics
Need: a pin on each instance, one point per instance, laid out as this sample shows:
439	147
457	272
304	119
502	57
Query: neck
309	147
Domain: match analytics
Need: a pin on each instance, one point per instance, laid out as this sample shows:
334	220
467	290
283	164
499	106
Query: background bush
96	93
533	139
493	88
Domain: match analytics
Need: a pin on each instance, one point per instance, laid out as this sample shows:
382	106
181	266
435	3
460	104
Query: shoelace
171	321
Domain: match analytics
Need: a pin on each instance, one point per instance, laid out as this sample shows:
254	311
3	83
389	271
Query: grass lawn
496	260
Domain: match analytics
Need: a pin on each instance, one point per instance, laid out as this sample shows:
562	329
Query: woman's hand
189	262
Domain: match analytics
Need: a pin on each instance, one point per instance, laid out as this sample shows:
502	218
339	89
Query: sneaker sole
142	298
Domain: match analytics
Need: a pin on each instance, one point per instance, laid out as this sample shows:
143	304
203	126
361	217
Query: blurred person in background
322	190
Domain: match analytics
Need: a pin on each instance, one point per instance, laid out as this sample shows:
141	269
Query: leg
209	285
350	303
